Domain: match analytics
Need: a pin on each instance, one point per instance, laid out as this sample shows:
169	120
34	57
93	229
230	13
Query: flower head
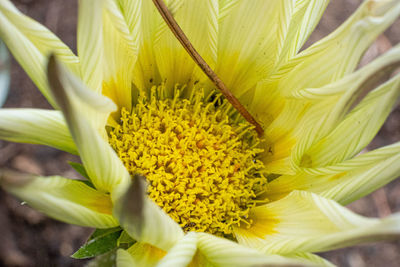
173	165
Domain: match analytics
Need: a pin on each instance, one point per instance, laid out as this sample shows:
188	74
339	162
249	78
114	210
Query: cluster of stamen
200	161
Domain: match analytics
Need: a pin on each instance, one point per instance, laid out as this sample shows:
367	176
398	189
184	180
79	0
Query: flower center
198	156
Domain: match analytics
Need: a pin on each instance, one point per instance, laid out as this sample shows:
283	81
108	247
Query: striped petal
305	222
316	66
247	53
356	130
181	254
312	258
124	259
317	111
30	43
146	72
339	53
67	200
132	12
120	56
301	22
344	182
143	220
35	126
140	254
199	21
332	102
222	252
90	42
281	136
306	15
81	108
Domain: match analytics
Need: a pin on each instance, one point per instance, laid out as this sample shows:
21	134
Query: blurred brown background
28	238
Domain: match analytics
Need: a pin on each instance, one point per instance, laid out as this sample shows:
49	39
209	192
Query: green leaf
98	233
100	242
79	168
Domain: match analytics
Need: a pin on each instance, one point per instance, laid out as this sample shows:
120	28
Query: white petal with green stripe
339	53
221	252
90	42
250	35
305	222
301	19
143	220
181	254
124	259
133	14
120	55
332	102
67	200
35	126
199	21
305	17
346	181
143	28
155	228
309	257
139	254
356	130
360	176
30	43
82	108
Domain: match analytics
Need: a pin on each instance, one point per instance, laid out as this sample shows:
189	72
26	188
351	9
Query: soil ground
28	238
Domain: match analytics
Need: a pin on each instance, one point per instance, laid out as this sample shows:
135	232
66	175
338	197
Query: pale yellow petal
146	72
139	254
90	42
356	130
120	55
299	124
221	252
199	21
339	53
332	102
82	108
250	36
181	254
305	222
143	220
306	15
35	126
30	43
317	260
281	136
343	182
268	100
67	200
124	259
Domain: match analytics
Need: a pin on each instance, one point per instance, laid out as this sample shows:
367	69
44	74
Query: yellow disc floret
201	164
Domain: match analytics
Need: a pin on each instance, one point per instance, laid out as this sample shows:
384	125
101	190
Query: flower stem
180	35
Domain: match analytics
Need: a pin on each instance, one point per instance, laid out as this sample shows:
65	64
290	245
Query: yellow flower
133	103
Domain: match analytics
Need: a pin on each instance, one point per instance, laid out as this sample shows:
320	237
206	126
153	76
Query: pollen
199	158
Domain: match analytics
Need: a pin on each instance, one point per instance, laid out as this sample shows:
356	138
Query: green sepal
100	242
125	241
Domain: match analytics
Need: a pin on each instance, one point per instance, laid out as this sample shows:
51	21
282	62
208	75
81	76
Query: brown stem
180	35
